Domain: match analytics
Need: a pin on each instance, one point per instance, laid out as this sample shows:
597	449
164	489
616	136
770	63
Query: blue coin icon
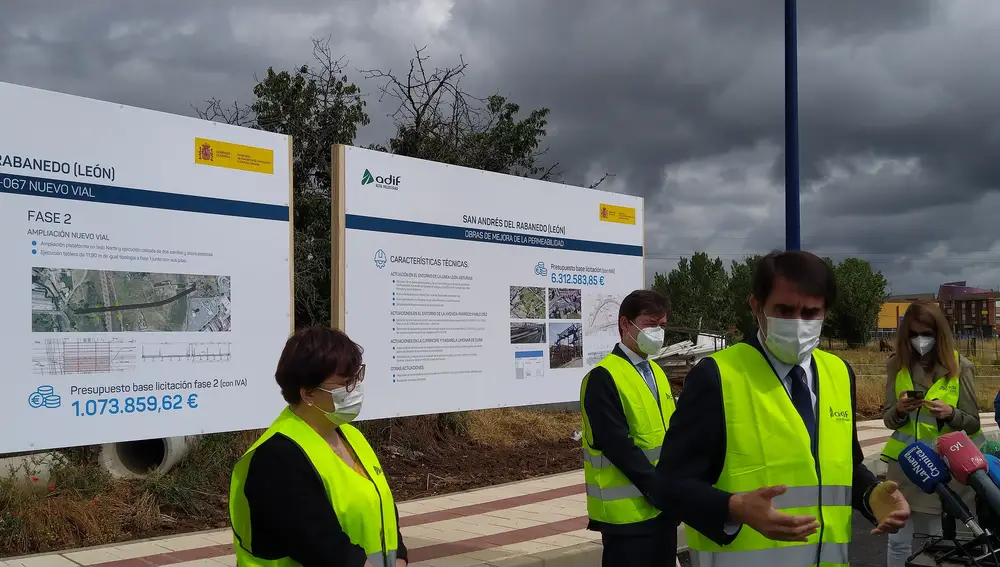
36	400
52	401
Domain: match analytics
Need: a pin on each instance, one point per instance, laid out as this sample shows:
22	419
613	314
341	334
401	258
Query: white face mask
923	345
346	405
792	340
650	339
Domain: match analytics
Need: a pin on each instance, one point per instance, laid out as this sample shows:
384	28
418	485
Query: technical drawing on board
82	356
183	351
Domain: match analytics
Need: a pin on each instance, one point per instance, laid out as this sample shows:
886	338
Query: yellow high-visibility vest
611	497
767	444
922	425
364	506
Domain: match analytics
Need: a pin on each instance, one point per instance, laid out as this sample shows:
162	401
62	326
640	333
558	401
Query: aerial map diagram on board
80	300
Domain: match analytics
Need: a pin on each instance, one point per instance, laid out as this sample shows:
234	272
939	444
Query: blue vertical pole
792	236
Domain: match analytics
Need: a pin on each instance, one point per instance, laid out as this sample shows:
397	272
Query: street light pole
792	235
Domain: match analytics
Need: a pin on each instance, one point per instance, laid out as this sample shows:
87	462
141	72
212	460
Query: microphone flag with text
930	474
968	466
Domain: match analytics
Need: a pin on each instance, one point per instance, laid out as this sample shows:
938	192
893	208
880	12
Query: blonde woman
930	391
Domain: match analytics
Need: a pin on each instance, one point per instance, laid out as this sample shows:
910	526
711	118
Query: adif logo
842	415
387	182
380	259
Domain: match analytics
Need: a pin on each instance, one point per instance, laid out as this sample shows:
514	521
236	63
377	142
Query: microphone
925	469
987	517
969	466
994	468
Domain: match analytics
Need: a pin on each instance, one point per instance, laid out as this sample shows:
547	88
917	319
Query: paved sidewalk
538	522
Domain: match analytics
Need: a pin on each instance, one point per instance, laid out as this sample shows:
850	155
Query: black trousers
640	550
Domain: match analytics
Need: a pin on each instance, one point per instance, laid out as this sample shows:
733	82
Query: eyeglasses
353	381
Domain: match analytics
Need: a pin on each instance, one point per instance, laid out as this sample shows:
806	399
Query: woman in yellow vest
930	390
311	491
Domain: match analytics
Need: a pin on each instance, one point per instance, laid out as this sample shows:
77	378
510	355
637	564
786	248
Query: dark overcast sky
681	99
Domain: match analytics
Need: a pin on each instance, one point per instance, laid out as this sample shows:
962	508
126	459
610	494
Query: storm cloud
682	100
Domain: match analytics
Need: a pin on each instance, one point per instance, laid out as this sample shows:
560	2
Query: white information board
145	269
472	290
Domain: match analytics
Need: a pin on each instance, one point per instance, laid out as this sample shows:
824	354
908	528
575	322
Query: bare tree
437	119
318	107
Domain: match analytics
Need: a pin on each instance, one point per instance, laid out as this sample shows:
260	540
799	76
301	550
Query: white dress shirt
645	370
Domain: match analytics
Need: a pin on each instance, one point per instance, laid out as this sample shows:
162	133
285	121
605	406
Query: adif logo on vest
842	415
378	471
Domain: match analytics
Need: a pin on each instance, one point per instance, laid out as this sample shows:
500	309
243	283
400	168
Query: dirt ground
465	466
454	468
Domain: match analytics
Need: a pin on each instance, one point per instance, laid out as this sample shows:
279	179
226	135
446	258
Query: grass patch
869	366
513	426
83	505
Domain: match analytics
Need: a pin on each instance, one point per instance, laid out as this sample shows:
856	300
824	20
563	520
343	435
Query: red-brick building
971	311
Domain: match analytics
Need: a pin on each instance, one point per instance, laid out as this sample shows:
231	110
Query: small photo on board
527	333
565	345
527	302
565	303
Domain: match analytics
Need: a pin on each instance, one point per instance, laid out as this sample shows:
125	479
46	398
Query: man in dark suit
769	425
626	405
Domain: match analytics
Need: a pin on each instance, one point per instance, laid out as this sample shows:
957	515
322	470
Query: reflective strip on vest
921	425
377	558
757	407
611	497
599	461
789	556
806	496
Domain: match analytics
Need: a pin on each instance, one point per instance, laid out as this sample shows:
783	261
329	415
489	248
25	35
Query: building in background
893	309
908	299
972	311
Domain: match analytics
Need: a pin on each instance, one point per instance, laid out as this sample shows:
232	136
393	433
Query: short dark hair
813	276
644	302
311	356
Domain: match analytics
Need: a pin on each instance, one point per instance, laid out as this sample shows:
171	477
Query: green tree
740	273
318	107
830	328
860	293
699	293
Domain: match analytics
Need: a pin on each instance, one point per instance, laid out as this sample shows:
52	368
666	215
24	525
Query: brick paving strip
426	553
461	546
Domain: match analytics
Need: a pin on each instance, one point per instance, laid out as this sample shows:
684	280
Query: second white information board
472	290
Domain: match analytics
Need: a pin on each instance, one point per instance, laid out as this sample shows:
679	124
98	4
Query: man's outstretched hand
889	507
756	510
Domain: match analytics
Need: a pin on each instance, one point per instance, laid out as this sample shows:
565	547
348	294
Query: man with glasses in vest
626	405
762	459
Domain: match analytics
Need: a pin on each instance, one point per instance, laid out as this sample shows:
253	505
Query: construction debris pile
678	358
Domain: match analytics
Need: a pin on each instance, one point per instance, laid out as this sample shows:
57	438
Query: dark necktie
802	400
